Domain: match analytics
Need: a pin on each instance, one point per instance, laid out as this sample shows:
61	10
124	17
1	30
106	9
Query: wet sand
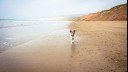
99	47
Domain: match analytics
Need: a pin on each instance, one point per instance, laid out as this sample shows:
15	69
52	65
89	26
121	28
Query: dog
72	32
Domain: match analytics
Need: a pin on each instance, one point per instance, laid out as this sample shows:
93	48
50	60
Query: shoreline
99	47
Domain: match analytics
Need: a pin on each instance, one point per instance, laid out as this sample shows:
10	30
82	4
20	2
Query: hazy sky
49	8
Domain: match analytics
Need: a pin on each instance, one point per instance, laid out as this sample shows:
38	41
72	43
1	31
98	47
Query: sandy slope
114	14
99	47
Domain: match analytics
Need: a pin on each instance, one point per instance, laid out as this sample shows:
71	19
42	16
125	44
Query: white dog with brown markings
72	32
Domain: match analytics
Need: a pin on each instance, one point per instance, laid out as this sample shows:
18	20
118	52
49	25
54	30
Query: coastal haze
35	36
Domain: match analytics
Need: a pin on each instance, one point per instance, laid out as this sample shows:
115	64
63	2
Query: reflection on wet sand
73	50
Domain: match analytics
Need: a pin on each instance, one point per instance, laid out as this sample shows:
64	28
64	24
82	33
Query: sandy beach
100	46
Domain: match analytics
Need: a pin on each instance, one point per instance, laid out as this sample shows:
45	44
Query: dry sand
100	46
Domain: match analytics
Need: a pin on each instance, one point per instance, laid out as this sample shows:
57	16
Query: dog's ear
70	30
74	30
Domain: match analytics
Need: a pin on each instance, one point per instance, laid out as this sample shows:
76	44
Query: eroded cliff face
114	14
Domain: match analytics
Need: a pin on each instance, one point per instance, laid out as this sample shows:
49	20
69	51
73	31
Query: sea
17	32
